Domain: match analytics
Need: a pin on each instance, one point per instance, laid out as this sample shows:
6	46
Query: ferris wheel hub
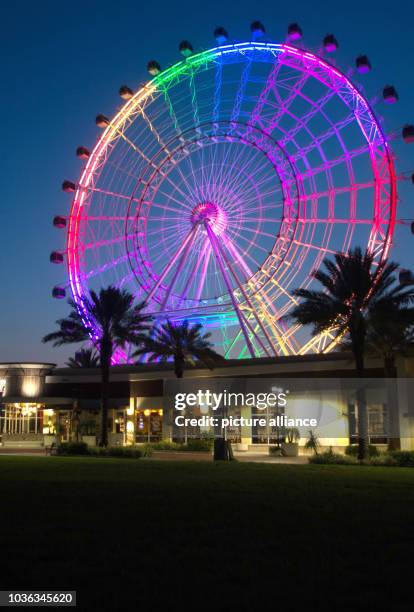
211	213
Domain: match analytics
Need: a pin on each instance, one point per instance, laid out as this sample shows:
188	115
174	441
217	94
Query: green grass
121	531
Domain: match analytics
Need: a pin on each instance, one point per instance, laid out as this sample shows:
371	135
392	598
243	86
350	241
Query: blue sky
62	63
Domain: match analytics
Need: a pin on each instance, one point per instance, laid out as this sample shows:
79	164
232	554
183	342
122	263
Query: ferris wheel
223	182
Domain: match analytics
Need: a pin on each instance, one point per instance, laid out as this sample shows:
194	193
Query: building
41	403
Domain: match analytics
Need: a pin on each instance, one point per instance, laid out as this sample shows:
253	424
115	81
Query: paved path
246	457
177	456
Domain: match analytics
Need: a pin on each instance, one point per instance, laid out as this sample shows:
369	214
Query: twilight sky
63	63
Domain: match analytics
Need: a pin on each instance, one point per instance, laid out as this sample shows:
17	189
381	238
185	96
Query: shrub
126	452
146	450
73	448
383	460
199	446
352	450
164	445
192	445
312	443
330	458
80	448
292	435
403	458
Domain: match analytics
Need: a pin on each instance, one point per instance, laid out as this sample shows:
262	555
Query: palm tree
391	332
117	322
84	358
182	343
352	289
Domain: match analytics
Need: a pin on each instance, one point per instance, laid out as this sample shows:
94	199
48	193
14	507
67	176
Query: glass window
377	423
148	425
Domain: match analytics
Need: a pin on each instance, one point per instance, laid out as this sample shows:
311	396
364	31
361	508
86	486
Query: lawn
122	532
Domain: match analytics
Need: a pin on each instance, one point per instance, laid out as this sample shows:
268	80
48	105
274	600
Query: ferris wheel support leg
203	263
238	312
248	301
179	266
188	239
263	296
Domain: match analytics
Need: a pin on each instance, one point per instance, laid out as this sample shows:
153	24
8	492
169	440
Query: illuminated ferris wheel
222	183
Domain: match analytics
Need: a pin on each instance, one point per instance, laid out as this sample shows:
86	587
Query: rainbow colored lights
222	184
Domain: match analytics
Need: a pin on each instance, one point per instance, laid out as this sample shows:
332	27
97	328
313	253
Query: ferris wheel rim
74	259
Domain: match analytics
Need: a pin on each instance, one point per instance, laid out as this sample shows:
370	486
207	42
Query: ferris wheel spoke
337	191
104	243
205	261
218	79
152	164
318	141
194	101
314	246
262	99
336	221
161	206
249	219
171	111
159	256
107	266
154	131
252	204
283	104
166	218
256	246
315	143
180	266
174	186
230	172
113	194
171	198
124	280
241	90
133	146
335	126
104	218
122	170
262	296
201	261
172	228
186	180
309	116
252	312
172	262
259	232
303	124
239	314
332	163
193	174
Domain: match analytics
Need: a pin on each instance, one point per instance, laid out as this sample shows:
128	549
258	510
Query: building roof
294	365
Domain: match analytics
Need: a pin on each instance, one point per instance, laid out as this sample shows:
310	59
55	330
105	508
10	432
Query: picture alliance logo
214	401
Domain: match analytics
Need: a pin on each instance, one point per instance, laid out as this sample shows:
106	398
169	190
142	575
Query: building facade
41	404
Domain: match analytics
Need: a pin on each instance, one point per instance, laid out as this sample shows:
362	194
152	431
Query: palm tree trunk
106	356
104	406
179	364
222	447
363	444
392	403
